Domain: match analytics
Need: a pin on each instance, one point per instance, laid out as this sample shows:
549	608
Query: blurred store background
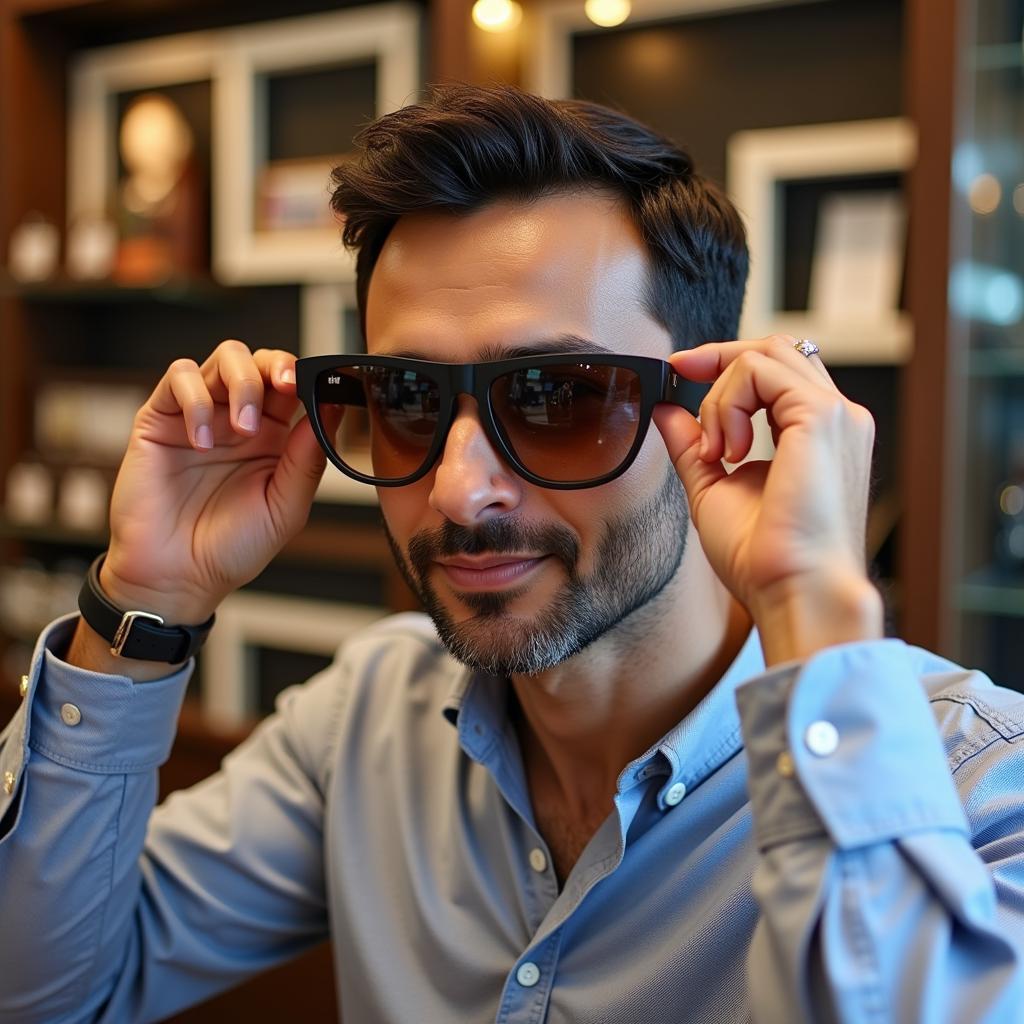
162	186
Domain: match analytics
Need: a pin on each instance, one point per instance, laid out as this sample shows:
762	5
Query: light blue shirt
840	839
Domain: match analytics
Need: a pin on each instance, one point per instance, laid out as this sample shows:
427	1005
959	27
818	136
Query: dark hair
467	146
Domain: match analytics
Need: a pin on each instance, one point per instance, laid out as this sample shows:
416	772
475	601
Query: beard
638	554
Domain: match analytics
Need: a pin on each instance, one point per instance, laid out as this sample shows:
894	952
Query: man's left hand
786	536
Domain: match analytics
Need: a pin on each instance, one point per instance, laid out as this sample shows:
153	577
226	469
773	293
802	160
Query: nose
471	481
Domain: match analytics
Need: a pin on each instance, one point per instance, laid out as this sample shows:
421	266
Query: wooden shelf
356	545
193	292
51	533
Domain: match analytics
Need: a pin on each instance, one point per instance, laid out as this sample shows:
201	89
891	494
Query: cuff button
70	714
8	783
23	686
821	738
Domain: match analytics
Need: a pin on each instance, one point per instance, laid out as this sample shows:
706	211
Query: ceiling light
607	13
497	15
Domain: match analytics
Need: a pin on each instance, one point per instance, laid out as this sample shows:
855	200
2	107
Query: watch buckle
123	630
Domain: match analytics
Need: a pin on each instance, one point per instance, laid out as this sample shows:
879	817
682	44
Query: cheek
589	512
405	509
652	461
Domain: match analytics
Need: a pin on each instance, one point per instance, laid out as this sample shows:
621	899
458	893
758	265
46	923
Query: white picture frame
759	161
326	313
232	60
390	34
245	620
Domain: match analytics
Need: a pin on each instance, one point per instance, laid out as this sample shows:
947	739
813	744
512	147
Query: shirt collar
688	753
475	705
705	739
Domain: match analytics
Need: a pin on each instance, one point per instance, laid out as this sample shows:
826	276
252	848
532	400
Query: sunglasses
560	421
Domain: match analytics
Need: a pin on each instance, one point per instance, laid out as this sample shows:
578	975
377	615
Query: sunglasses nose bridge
462	379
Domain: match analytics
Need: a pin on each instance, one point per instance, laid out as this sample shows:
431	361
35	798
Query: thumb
682	433
297	476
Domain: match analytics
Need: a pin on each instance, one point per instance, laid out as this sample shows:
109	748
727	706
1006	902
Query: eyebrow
554	345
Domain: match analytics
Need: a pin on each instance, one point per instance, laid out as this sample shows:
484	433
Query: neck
582	722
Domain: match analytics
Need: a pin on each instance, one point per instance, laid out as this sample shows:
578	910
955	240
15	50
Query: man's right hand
214	482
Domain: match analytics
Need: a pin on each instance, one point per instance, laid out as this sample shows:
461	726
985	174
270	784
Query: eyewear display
560	421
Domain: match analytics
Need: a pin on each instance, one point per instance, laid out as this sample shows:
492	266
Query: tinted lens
569	423
381	420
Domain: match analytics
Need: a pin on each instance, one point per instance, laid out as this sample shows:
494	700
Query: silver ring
806	347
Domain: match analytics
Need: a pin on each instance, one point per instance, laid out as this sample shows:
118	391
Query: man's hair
467	146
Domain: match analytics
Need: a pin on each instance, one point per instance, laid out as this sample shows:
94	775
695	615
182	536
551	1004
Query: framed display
330	326
850	172
282	102
271	209
549	69
248	622
139	137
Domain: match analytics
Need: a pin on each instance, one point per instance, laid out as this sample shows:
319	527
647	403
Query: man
657	763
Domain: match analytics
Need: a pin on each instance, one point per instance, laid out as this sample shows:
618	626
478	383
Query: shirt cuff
846	744
93	722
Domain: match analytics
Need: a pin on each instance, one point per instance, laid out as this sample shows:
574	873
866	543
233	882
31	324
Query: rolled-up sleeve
875	904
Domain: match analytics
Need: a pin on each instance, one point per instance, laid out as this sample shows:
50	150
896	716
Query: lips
489	571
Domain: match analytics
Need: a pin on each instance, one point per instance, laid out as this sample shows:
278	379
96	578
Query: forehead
448	286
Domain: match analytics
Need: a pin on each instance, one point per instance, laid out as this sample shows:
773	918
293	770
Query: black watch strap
137	634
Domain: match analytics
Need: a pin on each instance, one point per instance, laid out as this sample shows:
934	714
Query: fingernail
288	376
204	436
248	418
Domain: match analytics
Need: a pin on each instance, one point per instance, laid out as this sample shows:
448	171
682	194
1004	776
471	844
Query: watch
137	634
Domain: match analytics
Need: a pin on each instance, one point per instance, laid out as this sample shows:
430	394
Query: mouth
489	572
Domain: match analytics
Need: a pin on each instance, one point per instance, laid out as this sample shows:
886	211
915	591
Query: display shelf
51	533
996	362
201	293
358	545
991	593
985	593
996	57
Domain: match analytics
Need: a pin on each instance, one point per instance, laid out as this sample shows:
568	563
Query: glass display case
986	301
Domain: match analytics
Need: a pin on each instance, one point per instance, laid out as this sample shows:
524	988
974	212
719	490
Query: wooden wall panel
930	92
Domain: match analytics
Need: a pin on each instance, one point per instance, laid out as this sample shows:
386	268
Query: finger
277	367
682	435
234	379
183	390
816	361
707	362
757	381
292	488
712	442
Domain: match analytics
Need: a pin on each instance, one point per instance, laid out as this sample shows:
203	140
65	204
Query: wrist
139	633
797	618
91	651
176	609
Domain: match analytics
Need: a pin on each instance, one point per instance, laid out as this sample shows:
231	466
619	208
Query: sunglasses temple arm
677	390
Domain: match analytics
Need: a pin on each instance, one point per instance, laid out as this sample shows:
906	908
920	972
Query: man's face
519	577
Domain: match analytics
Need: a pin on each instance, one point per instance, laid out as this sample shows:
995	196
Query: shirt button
675	794
70	714
23	686
821	738
8	783
784	765
537	859
528	974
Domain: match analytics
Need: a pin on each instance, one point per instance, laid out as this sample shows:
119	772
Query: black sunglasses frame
658	383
